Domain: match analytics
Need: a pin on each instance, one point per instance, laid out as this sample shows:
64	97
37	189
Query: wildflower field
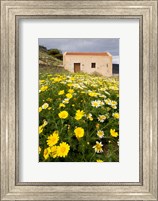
78	118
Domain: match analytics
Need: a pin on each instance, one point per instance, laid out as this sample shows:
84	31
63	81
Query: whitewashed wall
103	63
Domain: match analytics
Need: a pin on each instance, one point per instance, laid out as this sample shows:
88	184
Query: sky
110	45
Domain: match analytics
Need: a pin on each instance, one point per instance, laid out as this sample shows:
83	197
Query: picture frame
11	12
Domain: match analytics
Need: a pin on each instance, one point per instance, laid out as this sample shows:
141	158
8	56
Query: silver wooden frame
146	12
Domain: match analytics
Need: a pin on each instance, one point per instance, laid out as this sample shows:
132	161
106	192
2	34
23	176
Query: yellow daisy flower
63	114
69	96
69	84
71	91
53	151
116	115
79	114
42	81
44	88
53	139
57	79
61	92
46	153
113	133
79	132
99	160
63	149
93	94
39	109
61	105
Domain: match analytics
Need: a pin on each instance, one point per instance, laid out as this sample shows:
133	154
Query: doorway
76	67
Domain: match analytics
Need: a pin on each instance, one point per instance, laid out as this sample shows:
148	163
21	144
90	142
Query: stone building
88	62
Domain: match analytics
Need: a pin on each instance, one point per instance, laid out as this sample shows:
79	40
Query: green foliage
59	56
56	53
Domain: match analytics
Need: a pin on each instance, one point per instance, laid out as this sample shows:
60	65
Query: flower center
63	149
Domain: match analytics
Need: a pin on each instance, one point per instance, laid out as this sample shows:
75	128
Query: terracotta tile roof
89	53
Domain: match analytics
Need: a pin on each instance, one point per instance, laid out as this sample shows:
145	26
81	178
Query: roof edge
88	53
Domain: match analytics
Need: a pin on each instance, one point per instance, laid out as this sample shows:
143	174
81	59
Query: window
93	65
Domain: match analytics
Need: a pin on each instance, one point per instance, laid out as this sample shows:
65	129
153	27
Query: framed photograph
79	100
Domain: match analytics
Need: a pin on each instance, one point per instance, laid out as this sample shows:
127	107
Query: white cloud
115	60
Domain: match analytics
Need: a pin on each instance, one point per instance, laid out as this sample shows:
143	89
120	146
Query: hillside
46	60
